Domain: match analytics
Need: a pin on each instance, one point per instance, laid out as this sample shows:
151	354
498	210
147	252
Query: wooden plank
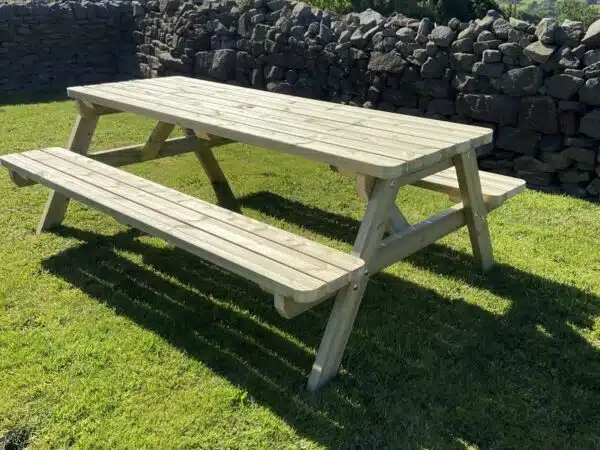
123	156
265	272
467	173
290	240
288	308
87	109
79	142
156	140
418	236
398	149
375	165
215	174
315	106
289	257
364	186
347	302
496	188
276	111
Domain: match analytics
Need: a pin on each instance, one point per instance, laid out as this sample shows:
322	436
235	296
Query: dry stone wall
536	86
46	46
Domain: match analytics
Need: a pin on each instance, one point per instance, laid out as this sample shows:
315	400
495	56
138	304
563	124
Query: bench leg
156	140
347	301
475	210
79	142
218	180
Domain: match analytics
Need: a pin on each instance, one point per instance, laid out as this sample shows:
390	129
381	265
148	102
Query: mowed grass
112	339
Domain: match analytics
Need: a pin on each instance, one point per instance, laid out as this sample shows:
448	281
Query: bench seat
496	188
280	262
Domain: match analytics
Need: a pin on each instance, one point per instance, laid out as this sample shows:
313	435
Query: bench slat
496	188
294	272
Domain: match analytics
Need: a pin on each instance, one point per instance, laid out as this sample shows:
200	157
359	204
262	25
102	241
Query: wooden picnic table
385	151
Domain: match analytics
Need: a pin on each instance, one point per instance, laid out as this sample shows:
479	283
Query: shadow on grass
420	370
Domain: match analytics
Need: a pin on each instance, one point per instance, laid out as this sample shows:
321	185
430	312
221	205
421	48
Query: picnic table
383	151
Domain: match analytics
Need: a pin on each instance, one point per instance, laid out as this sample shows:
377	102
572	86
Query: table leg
218	180
347	301
364	187
79	142
467	172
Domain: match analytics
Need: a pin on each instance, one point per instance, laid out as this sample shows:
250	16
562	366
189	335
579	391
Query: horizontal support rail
288	308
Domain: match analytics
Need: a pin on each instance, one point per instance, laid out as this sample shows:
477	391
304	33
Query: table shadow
421	369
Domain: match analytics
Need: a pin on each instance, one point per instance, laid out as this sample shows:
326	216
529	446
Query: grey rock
571	106
492	56
538	114
480	47
369	16
406	34
441	106
463	45
592	36
545	30
485	23
594	187
462	62
432	68
501	28
424	30
431	49
471	84
590	124
579	51
486	36
591	57
391	62
469	32
574	72
574	190
556	160
579	154
590	93
592	71
539	52
280	87
563	87
325	34
498	109
580	141
488	70
569	33
574	176
550	143
511	49
301	12
442	36
531	164
519	24
522	81
259	33
519	141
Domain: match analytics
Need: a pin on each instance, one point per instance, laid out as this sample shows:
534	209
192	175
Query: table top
381	144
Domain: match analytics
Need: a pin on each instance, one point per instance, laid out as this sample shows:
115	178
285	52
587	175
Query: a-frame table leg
475	209
347	301
215	174
79	142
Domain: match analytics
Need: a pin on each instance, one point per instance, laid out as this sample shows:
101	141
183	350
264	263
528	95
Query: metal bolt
366	271
355	287
393	184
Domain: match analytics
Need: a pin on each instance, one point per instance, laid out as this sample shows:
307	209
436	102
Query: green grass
112	339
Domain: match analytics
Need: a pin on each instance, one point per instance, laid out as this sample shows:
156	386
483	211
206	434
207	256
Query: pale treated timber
467	173
156	140
274	274
211	167
364	187
420	235
288	308
87	109
347	301
132	154
79	142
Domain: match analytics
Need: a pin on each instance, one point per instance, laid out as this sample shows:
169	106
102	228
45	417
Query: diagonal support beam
347	302
215	174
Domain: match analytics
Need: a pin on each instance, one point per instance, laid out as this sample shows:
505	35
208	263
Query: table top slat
383	145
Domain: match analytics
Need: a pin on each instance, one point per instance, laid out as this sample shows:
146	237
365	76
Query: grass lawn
112	339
